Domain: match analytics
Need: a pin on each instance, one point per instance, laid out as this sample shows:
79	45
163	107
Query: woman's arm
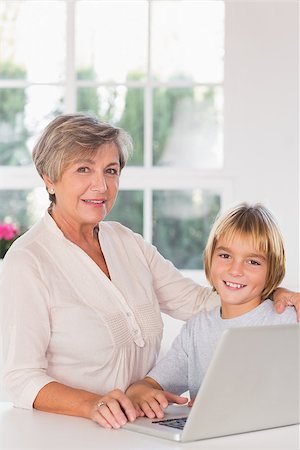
178	296
111	410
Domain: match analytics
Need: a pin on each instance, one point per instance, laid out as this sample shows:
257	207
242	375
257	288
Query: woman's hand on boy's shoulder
284	297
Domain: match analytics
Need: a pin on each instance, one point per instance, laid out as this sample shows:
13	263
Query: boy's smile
234	285
238	272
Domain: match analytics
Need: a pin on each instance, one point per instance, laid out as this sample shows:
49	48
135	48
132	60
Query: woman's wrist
89	405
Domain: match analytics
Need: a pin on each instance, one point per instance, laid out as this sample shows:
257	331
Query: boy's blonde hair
254	222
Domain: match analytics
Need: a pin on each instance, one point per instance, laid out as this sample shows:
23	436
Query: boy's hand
191	402
283	297
150	401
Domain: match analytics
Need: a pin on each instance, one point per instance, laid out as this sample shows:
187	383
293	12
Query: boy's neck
229	311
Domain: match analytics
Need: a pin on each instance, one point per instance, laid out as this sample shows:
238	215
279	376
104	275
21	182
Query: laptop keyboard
173	423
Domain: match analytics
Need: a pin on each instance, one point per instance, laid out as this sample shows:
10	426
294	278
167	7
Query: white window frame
147	177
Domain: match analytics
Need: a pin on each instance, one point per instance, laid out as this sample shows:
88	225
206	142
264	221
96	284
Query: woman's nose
99	183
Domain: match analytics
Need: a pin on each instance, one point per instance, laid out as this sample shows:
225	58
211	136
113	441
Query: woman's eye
112	171
83	169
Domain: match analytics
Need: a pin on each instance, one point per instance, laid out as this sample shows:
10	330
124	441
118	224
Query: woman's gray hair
71	136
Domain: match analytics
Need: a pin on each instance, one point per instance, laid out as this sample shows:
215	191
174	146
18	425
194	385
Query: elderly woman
82	298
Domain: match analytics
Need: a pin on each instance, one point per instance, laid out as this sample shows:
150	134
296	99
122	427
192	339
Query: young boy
244	262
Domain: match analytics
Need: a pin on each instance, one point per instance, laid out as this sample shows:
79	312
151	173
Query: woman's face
88	187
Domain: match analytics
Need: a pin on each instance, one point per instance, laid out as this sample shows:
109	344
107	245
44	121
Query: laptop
252	383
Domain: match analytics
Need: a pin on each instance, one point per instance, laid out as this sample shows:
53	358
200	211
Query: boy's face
238	273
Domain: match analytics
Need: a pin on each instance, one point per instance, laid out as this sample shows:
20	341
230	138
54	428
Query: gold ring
99	404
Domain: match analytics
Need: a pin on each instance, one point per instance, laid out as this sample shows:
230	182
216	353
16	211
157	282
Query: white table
22	429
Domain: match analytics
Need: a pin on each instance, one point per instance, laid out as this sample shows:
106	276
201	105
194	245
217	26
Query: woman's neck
73	231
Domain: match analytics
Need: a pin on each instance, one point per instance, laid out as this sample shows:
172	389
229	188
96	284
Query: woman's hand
283	297
113	410
151	401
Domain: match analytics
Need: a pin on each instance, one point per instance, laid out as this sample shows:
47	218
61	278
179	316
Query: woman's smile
94	202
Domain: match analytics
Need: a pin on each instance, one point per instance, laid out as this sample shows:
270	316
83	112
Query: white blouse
63	320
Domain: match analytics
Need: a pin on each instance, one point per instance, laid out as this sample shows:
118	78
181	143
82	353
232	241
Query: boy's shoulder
271	317
264	314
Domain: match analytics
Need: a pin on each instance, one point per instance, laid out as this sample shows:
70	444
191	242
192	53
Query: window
153	67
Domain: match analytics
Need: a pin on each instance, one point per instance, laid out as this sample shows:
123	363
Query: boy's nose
236	269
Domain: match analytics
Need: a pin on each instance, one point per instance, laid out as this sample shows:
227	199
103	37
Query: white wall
261	112
261	117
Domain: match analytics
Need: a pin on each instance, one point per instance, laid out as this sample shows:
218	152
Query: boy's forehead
235	239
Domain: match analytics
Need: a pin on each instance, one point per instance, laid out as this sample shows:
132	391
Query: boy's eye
252	262
224	255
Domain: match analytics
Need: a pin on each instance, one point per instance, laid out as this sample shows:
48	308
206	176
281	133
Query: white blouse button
139	342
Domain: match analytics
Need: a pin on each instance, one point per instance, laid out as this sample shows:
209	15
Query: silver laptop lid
252	383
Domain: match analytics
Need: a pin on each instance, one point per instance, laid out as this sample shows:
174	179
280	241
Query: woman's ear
49	184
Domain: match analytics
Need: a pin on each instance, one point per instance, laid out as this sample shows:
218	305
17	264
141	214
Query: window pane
23	207
23	115
120	106
32	50
181	224
13	135
111	38
128	210
187	127
187	40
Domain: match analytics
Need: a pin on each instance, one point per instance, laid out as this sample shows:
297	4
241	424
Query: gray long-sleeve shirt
184	366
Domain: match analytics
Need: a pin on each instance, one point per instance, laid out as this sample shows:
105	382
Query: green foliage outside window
132	120
165	101
128	210
13	133
13	149
87	98
181	235
15	208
